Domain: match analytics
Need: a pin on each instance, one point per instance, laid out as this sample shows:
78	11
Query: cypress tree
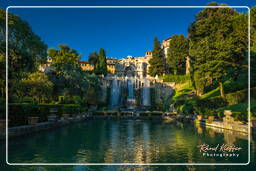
157	62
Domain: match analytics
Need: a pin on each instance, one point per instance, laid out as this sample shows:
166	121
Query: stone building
111	62
133	66
165	45
85	65
46	68
129	66
111	65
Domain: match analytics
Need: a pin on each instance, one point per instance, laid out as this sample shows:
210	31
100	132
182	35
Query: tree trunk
222	93
175	72
187	65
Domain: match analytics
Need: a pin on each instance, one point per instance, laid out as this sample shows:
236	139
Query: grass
213	93
229	87
181	91
184	92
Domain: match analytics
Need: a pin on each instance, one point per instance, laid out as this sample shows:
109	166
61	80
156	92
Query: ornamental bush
240	96
202	105
240	116
19	113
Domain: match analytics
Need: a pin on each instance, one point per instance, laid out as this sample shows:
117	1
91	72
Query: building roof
84	62
112	59
111	63
168	38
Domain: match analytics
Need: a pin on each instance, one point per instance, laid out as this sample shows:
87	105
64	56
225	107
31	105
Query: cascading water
146	94
130	89
130	98
115	93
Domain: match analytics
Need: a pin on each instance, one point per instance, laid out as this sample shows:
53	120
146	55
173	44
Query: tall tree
93	58
177	53
102	63
26	51
253	47
157	62
216	44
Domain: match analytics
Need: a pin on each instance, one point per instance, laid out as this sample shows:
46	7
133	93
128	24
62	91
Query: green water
124	141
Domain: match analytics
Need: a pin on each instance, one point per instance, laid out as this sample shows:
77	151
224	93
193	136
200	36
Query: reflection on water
130	141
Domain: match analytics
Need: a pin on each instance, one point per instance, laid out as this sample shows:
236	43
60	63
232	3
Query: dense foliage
218	49
177	54
99	61
221	47
65	82
63	57
157	62
26	51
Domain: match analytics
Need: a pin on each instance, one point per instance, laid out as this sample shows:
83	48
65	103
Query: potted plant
211	118
211	115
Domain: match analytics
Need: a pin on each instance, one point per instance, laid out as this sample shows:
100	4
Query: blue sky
120	32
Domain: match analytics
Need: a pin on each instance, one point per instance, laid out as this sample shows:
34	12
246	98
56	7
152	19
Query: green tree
157	62
38	86
100	66
26	51
102	63
253	46
216	45
93	58
63	56
67	80
177	53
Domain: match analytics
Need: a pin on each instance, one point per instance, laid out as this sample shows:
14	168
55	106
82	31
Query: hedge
18	113
203	105
239	96
176	78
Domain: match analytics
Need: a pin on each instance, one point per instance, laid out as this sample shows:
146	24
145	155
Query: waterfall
130	89
131	101
146	93
115	93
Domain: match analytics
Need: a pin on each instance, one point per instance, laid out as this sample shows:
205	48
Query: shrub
237	97
240	96
239	116
18	113
184	106
202	105
27	100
